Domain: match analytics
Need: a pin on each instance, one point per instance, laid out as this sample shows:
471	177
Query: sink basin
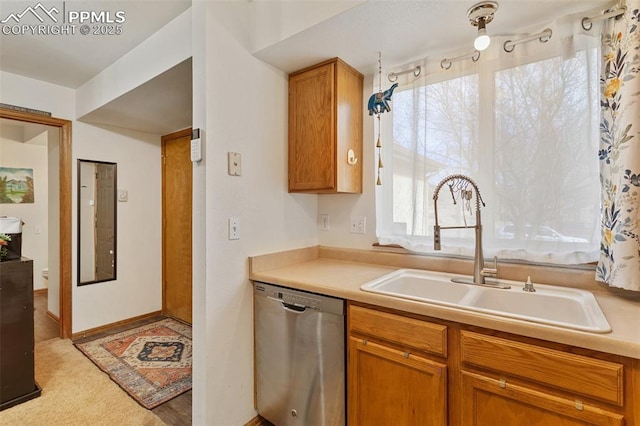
419	285
552	305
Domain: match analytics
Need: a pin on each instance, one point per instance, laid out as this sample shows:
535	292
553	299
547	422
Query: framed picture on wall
16	185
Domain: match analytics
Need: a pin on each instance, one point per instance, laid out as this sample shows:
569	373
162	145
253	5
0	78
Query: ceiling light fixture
480	14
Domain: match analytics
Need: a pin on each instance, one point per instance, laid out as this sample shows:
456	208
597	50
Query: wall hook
351	158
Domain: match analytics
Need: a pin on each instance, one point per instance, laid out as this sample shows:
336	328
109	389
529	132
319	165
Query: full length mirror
96	221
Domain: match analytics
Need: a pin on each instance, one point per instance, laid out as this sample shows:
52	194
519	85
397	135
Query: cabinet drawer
590	377
406	332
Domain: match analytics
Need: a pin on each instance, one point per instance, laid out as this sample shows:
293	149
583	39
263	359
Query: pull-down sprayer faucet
463	187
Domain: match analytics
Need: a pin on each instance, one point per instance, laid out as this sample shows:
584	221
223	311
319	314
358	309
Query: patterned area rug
152	362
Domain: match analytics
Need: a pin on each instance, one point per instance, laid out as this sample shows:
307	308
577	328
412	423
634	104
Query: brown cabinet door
395	388
325	129
311	129
488	402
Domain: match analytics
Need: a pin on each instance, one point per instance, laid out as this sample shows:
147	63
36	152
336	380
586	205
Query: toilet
45	276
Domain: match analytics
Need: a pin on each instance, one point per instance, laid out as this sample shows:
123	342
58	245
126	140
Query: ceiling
402	30
407	30
72	60
159	106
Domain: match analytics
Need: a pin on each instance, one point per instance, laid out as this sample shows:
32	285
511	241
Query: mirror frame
115	222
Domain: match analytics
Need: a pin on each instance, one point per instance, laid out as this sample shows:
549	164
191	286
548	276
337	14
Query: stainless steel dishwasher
300	357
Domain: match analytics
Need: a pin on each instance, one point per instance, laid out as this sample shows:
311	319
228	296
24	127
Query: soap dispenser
528	286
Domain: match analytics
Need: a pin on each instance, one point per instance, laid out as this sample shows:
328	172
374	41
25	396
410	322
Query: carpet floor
75	392
151	362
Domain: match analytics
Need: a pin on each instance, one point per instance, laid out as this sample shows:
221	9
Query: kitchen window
526	132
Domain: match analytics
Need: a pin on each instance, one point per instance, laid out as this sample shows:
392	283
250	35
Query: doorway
64	127
177	224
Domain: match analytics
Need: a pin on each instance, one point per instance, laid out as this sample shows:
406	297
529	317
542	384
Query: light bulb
482	41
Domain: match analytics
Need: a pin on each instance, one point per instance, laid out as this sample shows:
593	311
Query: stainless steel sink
552	305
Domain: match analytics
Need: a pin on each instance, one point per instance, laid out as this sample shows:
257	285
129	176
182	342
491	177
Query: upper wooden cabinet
325	123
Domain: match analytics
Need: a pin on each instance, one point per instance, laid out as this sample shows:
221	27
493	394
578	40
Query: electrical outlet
324	222
358	224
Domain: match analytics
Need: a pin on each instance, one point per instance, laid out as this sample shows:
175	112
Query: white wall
35	233
138	287
340	207
53	294
60	101
27	92
246	112
273	21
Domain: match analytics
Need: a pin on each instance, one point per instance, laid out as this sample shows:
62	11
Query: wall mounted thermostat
123	195
196	145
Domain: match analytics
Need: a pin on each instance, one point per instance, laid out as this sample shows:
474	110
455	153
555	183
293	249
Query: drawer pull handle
364	342
503	383
579	405
406	354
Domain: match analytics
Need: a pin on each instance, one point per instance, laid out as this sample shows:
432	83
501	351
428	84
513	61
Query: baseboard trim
257	421
106	327
41	291
53	317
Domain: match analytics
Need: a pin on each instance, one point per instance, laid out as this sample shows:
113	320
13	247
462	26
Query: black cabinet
17	379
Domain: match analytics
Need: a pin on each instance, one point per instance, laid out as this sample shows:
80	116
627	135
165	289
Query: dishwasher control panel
299	298
289	297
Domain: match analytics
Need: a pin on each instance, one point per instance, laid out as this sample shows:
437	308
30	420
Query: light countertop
341	273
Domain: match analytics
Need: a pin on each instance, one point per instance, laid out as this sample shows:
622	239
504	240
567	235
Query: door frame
64	166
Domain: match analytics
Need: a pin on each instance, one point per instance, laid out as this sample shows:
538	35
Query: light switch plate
235	163
123	195
324	222
234	228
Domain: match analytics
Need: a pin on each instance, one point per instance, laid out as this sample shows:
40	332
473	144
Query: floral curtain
619	264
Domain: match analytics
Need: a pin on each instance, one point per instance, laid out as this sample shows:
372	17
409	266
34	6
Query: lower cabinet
397	370
394	387
488	402
407	369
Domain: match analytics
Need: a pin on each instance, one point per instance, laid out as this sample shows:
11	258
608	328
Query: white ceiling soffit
160	106
72	59
24	132
407	30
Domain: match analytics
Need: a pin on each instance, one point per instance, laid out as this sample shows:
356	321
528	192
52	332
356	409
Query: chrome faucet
463	187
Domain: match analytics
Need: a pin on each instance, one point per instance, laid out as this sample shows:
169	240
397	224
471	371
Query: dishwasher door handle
294	309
